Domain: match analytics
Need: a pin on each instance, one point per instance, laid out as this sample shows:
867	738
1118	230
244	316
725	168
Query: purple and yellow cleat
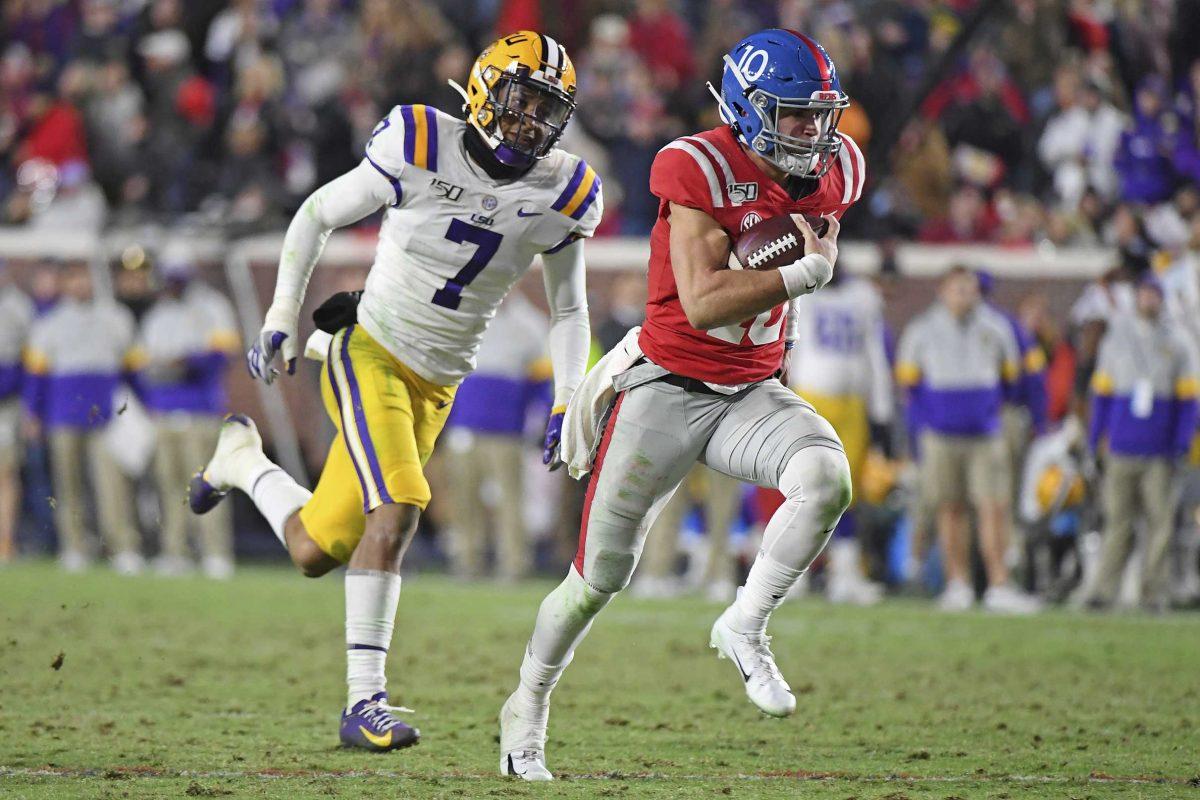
372	725
206	488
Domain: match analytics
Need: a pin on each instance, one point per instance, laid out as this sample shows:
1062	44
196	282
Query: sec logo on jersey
750	220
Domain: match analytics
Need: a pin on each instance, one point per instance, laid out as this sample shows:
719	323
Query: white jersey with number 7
454	241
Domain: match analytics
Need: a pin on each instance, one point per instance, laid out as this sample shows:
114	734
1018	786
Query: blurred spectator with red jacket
664	44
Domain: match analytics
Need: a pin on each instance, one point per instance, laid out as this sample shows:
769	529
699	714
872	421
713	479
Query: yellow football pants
387	418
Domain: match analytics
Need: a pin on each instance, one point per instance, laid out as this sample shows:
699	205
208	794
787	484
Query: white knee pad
819	476
586	597
609	569
816	487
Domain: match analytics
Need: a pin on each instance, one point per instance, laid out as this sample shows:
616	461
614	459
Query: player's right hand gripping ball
774	242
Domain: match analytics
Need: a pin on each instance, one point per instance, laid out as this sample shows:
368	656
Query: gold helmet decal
520	95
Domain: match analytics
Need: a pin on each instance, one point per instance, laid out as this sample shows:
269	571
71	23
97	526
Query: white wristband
806	275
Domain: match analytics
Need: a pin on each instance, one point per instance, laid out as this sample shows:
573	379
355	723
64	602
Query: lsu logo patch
751	219
740	193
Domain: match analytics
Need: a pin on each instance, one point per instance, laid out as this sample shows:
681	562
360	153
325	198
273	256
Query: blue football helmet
770	74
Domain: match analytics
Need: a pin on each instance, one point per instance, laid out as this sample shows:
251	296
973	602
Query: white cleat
1010	600
238	452
752	656
523	744
957	596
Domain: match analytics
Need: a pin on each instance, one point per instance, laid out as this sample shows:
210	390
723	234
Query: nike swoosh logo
741	669
385	740
810	287
522	213
443	403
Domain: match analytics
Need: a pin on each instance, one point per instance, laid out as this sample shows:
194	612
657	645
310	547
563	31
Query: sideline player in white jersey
839	365
469	206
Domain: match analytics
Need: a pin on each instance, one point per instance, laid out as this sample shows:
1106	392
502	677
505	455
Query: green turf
173	688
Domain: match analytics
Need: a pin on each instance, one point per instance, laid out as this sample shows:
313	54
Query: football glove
550	445
278	335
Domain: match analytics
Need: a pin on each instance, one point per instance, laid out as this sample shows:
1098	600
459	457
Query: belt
689	384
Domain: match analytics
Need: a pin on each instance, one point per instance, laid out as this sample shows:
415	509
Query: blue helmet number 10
752	64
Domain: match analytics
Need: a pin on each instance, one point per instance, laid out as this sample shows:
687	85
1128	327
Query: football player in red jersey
705	387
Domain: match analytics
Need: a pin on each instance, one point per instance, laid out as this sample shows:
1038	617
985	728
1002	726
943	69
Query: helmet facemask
524	118
803	157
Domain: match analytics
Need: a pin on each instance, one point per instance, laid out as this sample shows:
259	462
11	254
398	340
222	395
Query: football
774	242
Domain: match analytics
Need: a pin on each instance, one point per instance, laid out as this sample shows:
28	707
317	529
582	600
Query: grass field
190	688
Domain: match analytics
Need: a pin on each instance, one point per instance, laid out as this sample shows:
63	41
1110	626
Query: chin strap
482	154
456	86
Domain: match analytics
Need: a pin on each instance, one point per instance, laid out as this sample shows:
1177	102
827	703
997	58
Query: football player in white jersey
469	206
839	365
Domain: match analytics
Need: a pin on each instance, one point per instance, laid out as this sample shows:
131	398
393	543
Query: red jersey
710	172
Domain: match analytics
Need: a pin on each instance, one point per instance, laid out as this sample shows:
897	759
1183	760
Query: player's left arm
570	334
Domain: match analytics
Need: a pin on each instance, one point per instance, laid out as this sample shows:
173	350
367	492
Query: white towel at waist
585	413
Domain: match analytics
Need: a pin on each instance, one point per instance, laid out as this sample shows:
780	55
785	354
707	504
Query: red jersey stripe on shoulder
860	165
717	156
706	167
846	161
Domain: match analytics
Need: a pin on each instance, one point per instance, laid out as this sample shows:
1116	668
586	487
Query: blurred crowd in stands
1011	443
1051	121
1057	427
